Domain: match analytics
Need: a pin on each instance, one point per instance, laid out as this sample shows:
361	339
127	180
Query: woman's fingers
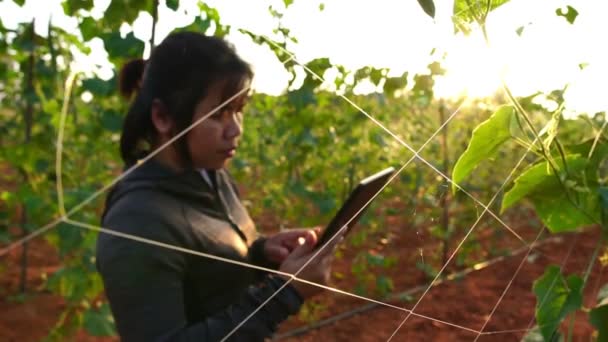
318	230
276	252
295	238
305	248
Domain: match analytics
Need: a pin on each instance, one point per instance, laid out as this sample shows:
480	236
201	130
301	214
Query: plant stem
546	155
527	145
473	13
571	326
29	122
597	139
24	250
28	115
59	154
154	20
444	203
592	261
560	148
53	52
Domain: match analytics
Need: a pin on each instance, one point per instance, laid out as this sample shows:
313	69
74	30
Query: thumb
277	253
310	240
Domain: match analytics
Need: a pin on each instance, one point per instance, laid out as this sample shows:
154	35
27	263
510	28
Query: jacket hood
187	184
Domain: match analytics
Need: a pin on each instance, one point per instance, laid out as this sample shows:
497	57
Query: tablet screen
358	198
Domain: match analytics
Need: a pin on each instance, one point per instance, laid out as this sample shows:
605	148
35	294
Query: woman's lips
229	152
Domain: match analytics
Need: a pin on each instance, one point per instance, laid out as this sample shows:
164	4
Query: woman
184	197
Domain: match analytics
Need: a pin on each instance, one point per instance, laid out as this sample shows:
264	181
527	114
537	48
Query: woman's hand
318	270
277	247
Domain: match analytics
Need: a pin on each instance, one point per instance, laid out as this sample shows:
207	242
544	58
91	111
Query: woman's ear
160	119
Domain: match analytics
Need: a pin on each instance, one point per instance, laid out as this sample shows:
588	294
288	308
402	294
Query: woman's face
214	141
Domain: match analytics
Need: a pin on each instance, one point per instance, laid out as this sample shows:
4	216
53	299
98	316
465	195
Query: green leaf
436	68
428	6
210	17
69	283
317	66
200	25
326	205
428	270
484	144
374	259
68	238
556	297
111	121
99	87
302	97
89	28
477	11
173	4
42	165
596	152
598	316
392	84
423	88
99	322
384	285
559	214
602	294
539	178
70	7
123	48
19	2
560	209
534	335
127	11
570	14
33	203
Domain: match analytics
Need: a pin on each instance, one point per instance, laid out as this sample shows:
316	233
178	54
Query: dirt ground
448	312
467	302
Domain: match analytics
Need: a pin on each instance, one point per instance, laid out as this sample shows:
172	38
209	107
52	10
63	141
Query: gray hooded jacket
159	294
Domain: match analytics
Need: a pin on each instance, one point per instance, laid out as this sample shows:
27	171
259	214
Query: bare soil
451	311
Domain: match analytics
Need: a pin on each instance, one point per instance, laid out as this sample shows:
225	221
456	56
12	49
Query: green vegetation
306	150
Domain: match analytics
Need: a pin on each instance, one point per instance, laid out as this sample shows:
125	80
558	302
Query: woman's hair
179	73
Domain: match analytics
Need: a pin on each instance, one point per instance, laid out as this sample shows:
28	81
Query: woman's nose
234	126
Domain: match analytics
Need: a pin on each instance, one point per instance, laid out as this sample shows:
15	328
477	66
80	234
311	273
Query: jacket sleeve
257	255
144	286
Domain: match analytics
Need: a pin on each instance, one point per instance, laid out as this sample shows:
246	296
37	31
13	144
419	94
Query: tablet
363	193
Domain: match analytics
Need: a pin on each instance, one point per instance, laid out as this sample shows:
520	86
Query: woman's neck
169	157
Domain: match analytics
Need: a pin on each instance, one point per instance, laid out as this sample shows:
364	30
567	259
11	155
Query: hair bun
131	76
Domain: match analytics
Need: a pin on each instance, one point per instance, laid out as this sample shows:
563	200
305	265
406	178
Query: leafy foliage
566	183
469	11
484	144
173	4
121	11
70	7
428	6
570	14
99	321
313	146
534	335
35	82
556	298
598	316
560	210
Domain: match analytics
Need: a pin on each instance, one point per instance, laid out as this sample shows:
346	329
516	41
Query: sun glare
532	49
472	69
